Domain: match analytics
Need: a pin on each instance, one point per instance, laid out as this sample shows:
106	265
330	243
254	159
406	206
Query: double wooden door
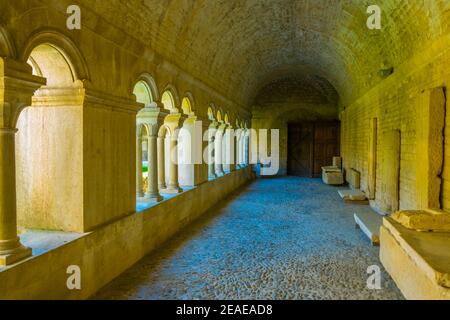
311	146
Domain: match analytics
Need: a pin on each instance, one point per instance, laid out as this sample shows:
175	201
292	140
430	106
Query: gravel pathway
285	238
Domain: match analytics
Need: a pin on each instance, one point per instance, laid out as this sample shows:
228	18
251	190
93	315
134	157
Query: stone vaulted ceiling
239	46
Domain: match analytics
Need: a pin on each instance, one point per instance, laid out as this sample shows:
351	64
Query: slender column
17	88
161	164
232	151
218	153
239	150
212	152
225	151
247	149
205	152
173	186
139	183
11	249
152	189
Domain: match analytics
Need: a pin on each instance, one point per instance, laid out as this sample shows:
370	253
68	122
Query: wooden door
326	145
300	149
311	146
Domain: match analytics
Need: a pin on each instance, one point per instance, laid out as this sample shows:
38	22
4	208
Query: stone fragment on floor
369	223
353	196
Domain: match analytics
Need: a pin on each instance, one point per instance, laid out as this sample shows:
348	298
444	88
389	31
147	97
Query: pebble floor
286	238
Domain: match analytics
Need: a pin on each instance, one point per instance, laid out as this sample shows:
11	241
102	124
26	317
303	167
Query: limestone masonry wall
396	102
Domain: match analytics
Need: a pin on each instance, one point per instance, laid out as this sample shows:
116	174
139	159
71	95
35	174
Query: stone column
153	164
161	163
174	121
218	151
204	153
211	148
232	150
153	117
246	148
173	186
17	86
239	149
11	249
139	183
225	167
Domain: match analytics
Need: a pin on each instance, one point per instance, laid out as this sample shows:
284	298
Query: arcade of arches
117	136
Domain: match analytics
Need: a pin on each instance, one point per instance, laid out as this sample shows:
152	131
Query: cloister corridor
283	238
156	149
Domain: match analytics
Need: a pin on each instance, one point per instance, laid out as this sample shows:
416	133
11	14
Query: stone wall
106	252
396	102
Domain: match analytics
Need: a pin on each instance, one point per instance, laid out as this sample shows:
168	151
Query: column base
171	190
140	195
220	174
9	258
153	198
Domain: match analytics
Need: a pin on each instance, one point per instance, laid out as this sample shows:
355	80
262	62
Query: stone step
369	223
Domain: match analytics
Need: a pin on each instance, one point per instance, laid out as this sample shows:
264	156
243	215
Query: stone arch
170	98
190	97
143	93
150	86
144	130
211	112
66	47
186	106
7	47
219	114
164	130
51	121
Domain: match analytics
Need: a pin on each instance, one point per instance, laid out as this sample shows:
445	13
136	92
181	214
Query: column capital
17	87
153	117
214	124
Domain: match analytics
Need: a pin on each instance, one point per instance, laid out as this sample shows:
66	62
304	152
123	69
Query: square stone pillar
108	132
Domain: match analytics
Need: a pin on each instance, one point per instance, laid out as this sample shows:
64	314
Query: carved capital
17	87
